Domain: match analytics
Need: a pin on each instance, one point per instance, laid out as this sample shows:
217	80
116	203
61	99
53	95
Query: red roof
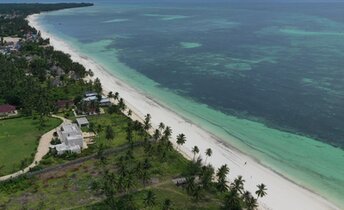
6	108
64	103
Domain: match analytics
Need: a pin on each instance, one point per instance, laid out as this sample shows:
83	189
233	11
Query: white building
105	101
82	122
90	94
71	138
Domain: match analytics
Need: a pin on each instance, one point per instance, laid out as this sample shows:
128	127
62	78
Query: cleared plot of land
71	187
118	123
74	186
18	141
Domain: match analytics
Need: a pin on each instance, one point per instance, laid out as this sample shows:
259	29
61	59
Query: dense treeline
34	77
26	9
27	79
12	19
16	26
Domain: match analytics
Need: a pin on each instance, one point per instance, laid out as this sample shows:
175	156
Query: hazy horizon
172	1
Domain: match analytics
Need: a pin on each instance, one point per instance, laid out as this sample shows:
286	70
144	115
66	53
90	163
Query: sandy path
42	150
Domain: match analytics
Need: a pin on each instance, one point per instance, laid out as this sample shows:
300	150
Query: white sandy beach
282	193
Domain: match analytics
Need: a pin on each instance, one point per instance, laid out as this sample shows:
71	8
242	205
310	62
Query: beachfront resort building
92	96
71	138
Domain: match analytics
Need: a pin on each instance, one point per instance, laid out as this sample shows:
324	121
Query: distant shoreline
282	193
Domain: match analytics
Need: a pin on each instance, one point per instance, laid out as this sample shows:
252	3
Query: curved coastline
280	190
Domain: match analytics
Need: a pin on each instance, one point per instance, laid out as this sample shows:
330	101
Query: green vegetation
33	78
18	142
12	16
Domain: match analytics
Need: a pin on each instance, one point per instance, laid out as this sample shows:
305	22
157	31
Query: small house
91	98
62	104
105	101
82	122
6	110
90	94
71	138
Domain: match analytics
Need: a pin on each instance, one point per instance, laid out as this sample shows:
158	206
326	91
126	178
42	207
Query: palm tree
222	172
197	193
116	96
121	105
238	184
122	169
206	177
92	127
147	124
246	196
251	204
156	135
167	132
109	133
108	189
232	201
100	154
149	200
110	95
161	126
129	181
181	139
169	146
129	131
222	185
208	153
146	164
195	151
130	112
167	205
190	184
145	177
261	192
99	128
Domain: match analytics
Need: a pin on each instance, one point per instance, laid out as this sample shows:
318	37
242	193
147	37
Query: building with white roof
71	138
89	94
105	101
82	122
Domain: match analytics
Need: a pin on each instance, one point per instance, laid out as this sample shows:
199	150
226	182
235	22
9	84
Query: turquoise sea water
270	79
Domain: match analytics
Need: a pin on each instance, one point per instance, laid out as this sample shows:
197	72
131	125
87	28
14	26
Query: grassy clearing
71	187
18	141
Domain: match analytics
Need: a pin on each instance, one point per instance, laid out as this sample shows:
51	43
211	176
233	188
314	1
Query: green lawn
118	122
19	140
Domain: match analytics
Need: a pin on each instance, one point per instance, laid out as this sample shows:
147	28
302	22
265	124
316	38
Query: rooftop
70	130
89	94
5	108
91	98
82	121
